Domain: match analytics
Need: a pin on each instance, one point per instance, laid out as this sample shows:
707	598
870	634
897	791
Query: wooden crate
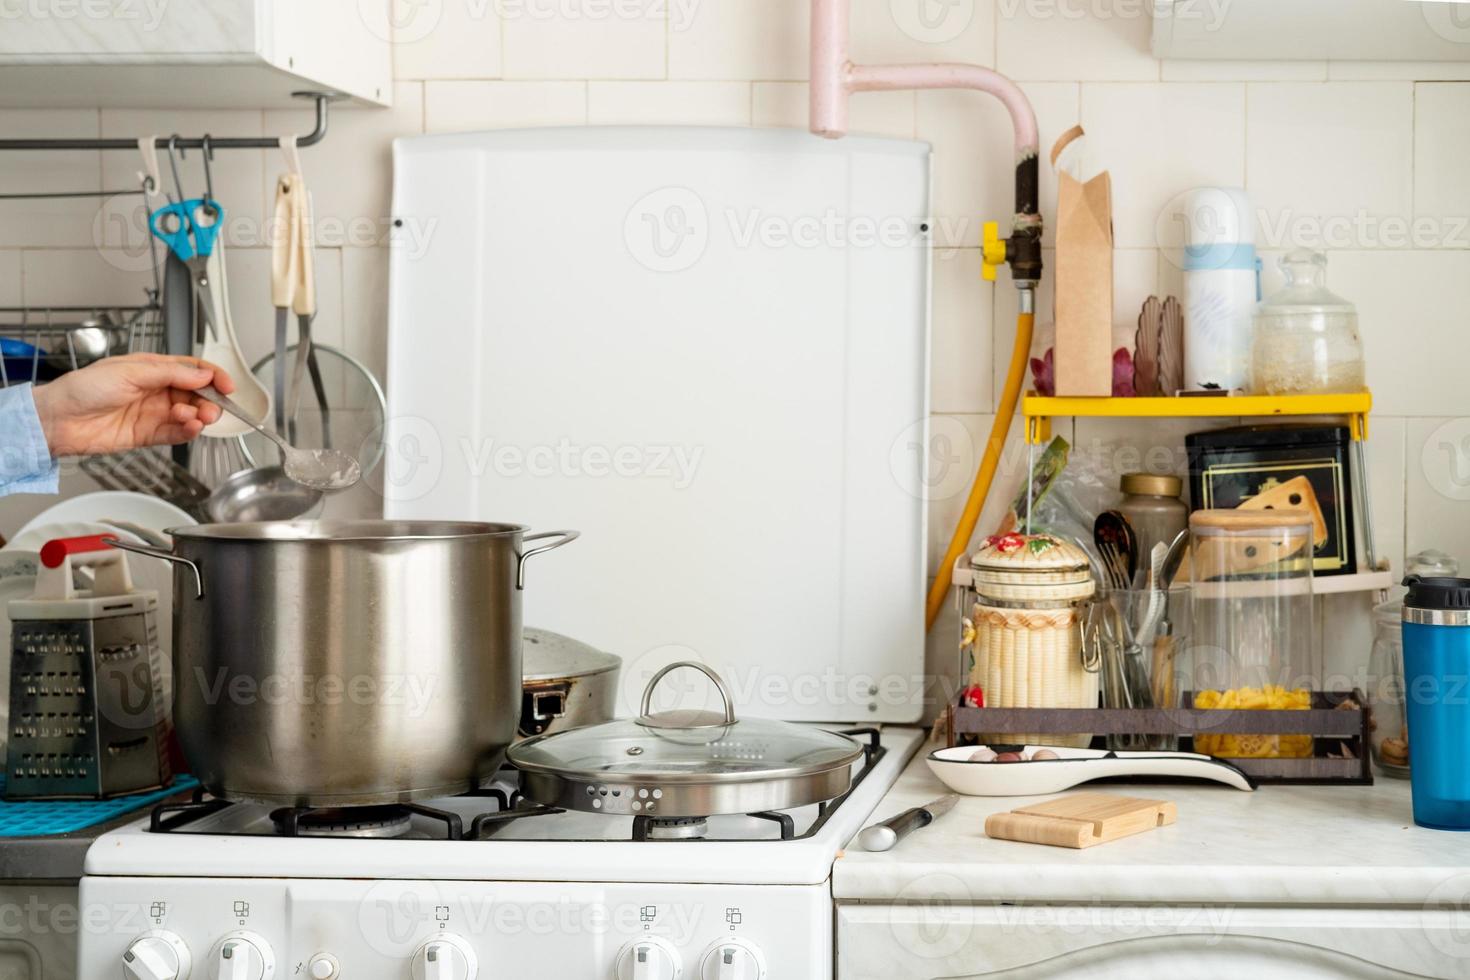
1332	728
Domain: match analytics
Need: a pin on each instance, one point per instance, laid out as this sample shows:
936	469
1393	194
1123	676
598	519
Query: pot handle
565	537
159	553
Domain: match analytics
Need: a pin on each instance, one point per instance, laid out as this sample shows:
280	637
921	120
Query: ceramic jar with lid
1028	601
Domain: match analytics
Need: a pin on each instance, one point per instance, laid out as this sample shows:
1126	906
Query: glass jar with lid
1385	685
1254	638
1306	338
1153	508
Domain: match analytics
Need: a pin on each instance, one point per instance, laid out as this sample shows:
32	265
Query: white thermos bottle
1222	285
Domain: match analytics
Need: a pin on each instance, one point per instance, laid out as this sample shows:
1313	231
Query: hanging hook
173	164
208	177
148	147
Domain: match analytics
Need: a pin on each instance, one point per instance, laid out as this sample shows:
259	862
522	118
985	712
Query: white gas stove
557	894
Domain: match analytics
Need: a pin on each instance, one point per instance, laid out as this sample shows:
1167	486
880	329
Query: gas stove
472	886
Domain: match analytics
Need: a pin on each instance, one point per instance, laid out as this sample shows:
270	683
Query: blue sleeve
26	465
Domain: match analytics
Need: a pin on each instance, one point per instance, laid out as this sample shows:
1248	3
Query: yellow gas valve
992	250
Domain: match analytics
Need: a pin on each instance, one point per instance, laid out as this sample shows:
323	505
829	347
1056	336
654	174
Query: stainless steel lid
548	656
687	747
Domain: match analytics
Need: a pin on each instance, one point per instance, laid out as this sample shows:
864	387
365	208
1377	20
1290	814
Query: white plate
972	778
112	505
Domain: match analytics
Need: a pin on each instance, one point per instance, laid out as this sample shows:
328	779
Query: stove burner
368	822
675	828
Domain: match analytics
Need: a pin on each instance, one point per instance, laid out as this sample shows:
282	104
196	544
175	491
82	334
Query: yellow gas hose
1004	413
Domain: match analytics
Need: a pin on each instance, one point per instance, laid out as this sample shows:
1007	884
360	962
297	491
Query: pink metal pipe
834	78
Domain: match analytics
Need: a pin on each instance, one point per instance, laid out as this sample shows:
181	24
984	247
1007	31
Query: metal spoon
319	469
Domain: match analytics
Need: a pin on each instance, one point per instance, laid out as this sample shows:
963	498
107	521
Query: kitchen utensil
293	288
17	581
685	763
1153	509
222	347
143	534
1306	338
1254	635
1080	820
883	836
355	410
1030	648
1117	546
338	663
318	469
1174	559
149	472
1436	659
264	494
87	712
91	340
959	772
565	684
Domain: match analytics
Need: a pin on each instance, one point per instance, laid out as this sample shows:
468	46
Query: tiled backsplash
1367	158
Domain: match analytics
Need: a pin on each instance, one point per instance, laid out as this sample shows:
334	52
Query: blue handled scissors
190	228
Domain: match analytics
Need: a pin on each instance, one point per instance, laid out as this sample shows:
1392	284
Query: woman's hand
121	403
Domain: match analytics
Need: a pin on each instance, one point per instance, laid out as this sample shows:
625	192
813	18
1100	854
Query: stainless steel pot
339	663
566	684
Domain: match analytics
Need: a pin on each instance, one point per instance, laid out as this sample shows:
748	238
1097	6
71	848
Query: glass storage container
1254	642
1385	688
1153	508
1306	338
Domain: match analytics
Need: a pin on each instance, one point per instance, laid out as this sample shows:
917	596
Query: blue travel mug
1437	698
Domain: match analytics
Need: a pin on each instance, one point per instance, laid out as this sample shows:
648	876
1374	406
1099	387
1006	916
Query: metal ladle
319	469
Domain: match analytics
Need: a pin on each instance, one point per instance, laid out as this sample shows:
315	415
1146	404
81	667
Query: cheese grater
88	714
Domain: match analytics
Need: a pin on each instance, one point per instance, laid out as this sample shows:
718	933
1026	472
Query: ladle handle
210	394
647	707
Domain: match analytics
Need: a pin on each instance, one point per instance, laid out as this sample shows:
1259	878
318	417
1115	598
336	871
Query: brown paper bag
1084	280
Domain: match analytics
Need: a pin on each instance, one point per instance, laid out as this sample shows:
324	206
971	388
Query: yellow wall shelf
1039	411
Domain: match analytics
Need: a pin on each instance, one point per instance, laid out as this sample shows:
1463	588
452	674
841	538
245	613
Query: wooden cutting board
1080	820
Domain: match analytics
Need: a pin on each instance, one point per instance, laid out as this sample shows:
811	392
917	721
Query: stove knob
157	955
650	958
243	956
445	958
323	966
733	959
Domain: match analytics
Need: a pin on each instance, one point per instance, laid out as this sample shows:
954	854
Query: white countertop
1293	845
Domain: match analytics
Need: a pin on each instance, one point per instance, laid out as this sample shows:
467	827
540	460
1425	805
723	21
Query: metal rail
322	99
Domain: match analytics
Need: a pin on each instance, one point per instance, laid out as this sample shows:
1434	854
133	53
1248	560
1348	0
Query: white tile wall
1308	140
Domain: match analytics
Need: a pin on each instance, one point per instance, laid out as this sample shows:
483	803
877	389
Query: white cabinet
1141	942
220	53
1312	30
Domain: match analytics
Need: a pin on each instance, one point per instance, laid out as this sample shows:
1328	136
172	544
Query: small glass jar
1254	641
1306	338
1385	685
1153	508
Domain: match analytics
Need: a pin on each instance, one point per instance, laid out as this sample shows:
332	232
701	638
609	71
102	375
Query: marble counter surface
1294	845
